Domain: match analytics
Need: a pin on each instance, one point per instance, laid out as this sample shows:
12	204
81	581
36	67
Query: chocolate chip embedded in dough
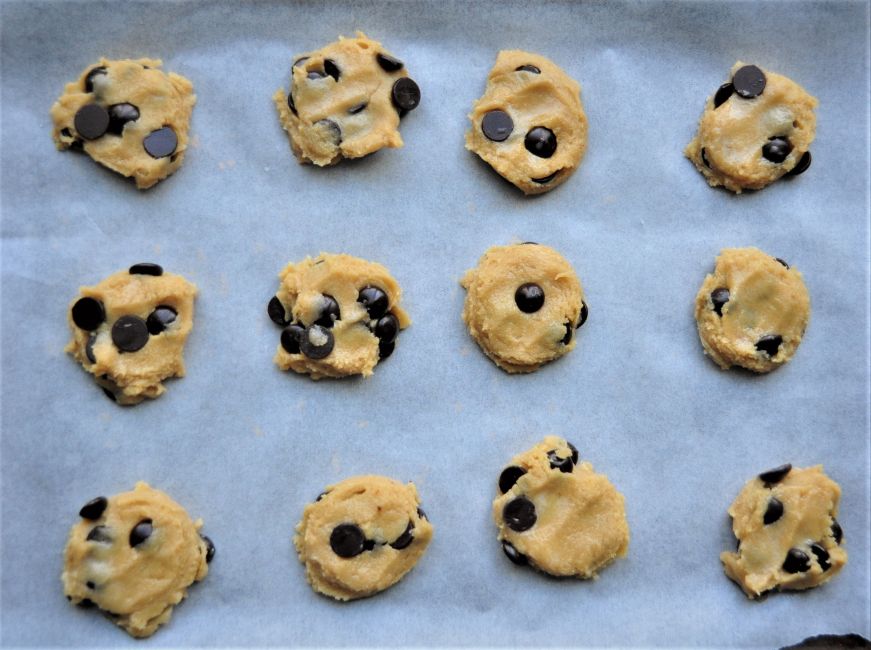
331	131
89	348
796	561
519	514
776	150
545	179
146	268
160	143
422	514
513	554
723	93
385	349
509	477
705	158
388	63
837	532
565	465
802	165
574	451
540	141
357	108
749	81
141	532
160	319
276	312
330	312
405	95
317	342
529	298
773	512
91	121
210	548
775	475
585	313
822	556
332	69
770	344
94	508
120	115
291	336
108	393
719	297
567	337
100	535
129	333
91	585
92	76
387	328
777	259
347	540
404	539
497	125
528	68
88	314
374	300
290	103
300	61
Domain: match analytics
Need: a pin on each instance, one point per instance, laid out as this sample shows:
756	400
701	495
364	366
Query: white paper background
245	446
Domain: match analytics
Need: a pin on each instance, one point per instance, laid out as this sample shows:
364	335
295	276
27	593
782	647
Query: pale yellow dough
384	510
517	341
580	520
765	299
163	99
809	501
549	99
732	135
130	377
328	125
301	292
137	586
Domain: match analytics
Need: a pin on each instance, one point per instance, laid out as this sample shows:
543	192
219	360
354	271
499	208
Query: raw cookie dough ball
129	116
340	315
361	536
129	331
134	555
557	515
755	129
788	537
752	311
530	124
523	303
345	101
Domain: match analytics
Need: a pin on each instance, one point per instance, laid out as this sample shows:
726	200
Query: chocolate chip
65	132
99	534
776	150
719	297
210	548
387	328
574	452
89	348
92	76
330	130
567	338
802	165
405	95
330	312
541	142
332	69
749	81
141	532
529	298
108	393
405	539
146	268
705	158
91	121
385	349
770	343
90	585
837	532
545	179
374	300
822	556
796	561
129	333
422	514
388	63
347	540
782	262
119	115
513	554
320	496
316	342
773	512
300	61
723	93
356	109
585	313
86	603
161	143
565	465
276	312
528	68
160	319
519	514
94	508
291	336
497	125
509	477
88	313
290	103
775	475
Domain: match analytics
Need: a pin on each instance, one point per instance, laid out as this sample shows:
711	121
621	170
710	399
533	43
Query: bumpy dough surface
329	124
137	586
130	377
732	134
765	299
550	99
163	100
517	341
579	517
806	526
386	512
356	349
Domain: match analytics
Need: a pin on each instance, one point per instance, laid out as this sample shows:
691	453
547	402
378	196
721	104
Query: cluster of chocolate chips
348	540
93	121
529	298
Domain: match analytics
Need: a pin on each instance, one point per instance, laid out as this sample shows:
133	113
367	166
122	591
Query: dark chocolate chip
129	333
528	68
705	158
86	603
565	465
332	69
509	477
585	313
775	475
796	561
160	319
90	585
497	125
723	93
210	548
545	179
822	556
770	344
290	103
91	76
387	328
776	150
513	554
89	348
719	297
347	540
356	109
94	508
276	312
146	268
519	514
405	539
802	165
119	115
773	512
316	342
331	130
574	452
388	63
405	95
374	300
541	142
99	534
529	298
567	338
65	132
330	312
749	81
91	121
782	262
422	514
385	349
837	532
108	393
300	61
161	143
291	336
141	532
369	544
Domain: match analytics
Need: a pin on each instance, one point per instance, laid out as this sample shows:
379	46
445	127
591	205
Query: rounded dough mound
395	534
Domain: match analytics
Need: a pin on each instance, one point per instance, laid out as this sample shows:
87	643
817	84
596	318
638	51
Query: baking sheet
245	446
